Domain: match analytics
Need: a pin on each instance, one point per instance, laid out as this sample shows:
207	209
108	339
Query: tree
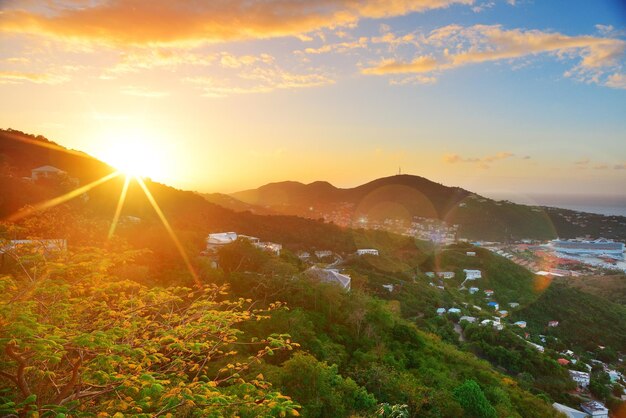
76	339
473	400
321	390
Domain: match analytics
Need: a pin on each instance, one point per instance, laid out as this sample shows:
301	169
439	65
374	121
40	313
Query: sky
512	97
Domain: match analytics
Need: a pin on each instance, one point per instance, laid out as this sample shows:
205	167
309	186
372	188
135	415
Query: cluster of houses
220	239
50	172
593	409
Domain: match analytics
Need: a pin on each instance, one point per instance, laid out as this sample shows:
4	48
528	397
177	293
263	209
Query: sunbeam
169	229
60	199
120	205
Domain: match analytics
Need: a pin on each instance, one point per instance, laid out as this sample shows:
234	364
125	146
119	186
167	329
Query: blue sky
496	96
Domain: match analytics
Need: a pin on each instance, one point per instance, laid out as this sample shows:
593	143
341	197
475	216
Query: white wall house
218	240
446	274
44	172
581	378
370	251
472	274
595	409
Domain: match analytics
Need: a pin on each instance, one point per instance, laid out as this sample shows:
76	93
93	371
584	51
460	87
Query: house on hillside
521	324
323	253
488	292
581	378
271	247
446	274
472	274
569	412
329	276
454	311
46	171
473	290
470	319
368	251
494	305
595	409
389	287
514	305
441	311
220	239
471	253
553	324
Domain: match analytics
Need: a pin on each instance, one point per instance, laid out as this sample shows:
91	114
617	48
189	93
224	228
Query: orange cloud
617	81
423	64
483	162
7	77
154	22
454	46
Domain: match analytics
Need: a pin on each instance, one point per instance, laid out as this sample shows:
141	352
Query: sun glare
133	154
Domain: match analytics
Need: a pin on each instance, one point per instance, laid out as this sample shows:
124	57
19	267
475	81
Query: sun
133	153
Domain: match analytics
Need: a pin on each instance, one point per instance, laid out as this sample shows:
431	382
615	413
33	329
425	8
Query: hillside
361	349
404	197
612	288
586	321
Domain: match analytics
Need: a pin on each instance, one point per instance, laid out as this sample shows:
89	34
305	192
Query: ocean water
603	205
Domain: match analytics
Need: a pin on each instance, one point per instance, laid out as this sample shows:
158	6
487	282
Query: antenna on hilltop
399	170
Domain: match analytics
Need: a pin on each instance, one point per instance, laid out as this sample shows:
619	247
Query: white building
389	287
269	246
441	311
537	347
446	274
521	324
363	251
514	305
454	311
595	409
471	253
218	240
472	274
44	172
430	274
581	378
569	412
494	324
473	290
323	253
470	319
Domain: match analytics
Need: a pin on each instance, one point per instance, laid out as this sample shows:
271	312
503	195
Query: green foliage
577	327
473	400
320	389
75	339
